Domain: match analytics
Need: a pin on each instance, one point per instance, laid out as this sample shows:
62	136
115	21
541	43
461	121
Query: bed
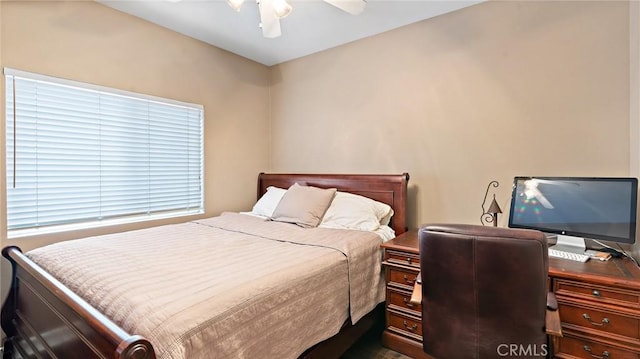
44	317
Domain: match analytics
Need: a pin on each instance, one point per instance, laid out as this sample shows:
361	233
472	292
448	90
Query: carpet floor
370	347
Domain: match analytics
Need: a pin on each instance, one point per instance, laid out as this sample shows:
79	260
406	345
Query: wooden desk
599	304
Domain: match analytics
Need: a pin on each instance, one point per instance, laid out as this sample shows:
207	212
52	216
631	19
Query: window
82	154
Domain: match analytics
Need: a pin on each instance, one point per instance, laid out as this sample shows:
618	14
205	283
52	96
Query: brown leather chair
484	292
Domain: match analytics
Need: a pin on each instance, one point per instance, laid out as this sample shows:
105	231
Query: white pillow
351	211
268	202
387	218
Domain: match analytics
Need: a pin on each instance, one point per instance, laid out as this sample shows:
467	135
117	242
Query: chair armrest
552	302
416	296
552	320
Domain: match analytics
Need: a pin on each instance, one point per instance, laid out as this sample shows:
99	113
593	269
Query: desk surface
616	271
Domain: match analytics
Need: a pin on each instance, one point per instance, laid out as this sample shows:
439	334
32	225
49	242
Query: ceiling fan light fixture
282	8
269	21
271	11
353	7
235	4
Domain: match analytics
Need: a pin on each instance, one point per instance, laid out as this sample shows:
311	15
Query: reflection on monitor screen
594	208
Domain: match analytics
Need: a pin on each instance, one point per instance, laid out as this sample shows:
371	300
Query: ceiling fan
271	11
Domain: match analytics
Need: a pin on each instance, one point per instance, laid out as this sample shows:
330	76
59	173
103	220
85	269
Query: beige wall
490	92
86	41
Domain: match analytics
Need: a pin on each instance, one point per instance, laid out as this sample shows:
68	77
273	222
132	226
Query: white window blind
80	153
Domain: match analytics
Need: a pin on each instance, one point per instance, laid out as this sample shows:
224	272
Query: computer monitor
576	208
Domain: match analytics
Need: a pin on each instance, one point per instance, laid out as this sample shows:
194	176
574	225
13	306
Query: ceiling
312	26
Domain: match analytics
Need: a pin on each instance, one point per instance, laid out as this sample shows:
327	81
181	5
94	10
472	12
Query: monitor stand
570	244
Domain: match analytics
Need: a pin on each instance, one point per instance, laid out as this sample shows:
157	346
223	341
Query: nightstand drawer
597	293
405	325
608	323
399	300
587	349
402	258
405	278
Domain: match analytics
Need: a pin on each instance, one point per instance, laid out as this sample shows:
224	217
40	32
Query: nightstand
403	329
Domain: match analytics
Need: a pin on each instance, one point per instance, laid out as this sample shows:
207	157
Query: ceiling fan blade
353	7
269	22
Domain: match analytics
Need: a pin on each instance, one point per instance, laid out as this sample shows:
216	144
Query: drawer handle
604	321
596	293
409	328
409	260
407	280
605	354
407	303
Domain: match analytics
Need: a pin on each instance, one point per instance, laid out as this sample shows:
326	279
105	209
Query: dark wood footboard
44	319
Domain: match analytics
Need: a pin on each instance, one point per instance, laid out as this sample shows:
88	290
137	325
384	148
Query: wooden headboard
389	189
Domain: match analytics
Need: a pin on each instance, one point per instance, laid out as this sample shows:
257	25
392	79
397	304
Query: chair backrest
483	291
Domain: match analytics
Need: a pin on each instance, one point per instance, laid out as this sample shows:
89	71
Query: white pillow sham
386	233
351	211
268	202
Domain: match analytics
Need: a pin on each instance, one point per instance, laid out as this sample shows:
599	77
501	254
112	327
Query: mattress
231	286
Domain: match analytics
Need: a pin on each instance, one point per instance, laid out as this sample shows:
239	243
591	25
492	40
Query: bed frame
44	319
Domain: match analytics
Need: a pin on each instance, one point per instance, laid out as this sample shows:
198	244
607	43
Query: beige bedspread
232	286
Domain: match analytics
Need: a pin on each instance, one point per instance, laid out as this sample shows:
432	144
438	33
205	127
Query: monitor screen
593	208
